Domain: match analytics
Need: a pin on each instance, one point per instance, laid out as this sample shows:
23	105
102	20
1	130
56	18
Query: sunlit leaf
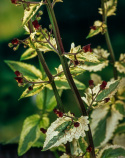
30	11
28	71
110	7
99	27
28	54
119	139
36	89
120	65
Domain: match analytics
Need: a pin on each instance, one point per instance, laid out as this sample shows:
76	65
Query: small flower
76	124
89	149
76	62
58	113
87	48
19	79
55	111
36	24
17	73
14	1
91	84
30	88
15	41
93	27
106	100
103	85
43	130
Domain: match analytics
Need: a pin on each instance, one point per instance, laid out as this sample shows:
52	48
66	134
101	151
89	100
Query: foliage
104	99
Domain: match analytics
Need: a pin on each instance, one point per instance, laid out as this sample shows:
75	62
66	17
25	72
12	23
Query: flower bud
19	79
91	84
106	100
93	27
76	124
40	12
36	24
10	45
89	149
14	1
43	130
87	48
30	88
15	41
103	85
17	73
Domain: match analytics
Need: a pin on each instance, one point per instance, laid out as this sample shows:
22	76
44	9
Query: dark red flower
89	149
43	130
55	111
103	85
36	24
76	124
30	88
60	114
14	1
15	41
106	100
17	73
87	48
93	27
91	83
76	62
19	79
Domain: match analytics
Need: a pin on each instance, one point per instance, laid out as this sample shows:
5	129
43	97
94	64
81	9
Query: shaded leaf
30	133
120	129
103	124
112	151
119	139
120	107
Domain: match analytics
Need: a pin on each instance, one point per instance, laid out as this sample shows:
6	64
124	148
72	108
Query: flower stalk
108	41
67	72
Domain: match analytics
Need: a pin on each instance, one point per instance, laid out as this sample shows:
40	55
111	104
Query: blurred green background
74	19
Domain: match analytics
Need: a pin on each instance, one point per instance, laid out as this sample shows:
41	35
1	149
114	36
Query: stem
46	69
108	41
67	72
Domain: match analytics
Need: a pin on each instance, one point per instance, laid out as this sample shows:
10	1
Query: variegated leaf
30	72
28	54
30	11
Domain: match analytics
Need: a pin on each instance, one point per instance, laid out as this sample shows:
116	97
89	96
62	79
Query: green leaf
36	89
63	84
30	133
103	124
112	151
83	144
46	100
120	107
28	54
120	129
109	91
28	71
61	128
30	11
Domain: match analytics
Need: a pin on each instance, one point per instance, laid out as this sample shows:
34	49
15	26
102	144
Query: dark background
74	19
